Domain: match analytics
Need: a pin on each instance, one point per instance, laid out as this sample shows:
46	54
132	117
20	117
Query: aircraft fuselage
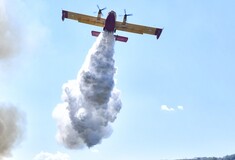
110	22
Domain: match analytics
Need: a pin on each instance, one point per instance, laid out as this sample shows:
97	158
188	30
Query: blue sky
191	65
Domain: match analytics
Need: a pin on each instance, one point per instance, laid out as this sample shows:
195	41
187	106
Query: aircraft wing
128	27
83	18
134	28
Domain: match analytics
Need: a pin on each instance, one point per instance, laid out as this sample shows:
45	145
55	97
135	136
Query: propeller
100	10
125	15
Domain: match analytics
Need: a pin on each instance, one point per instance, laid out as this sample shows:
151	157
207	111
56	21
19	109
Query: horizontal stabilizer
117	38
95	33
121	38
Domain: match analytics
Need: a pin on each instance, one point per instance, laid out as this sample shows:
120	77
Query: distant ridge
228	157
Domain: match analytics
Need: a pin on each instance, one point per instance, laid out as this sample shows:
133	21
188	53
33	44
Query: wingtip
64	14
158	32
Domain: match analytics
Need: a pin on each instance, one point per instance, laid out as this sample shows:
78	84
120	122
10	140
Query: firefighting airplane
110	24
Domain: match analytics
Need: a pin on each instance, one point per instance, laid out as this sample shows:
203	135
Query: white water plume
91	101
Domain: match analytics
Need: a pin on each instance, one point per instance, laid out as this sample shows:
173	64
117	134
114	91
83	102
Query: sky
177	92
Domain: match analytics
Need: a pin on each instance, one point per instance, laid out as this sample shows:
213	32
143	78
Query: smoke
50	156
9	36
11	128
91	101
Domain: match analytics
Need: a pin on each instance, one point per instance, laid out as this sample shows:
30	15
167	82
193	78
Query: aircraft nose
114	13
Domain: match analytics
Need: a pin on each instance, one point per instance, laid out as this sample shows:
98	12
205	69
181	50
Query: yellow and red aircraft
110	24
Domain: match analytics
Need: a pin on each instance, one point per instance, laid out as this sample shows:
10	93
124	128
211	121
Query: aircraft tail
117	37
